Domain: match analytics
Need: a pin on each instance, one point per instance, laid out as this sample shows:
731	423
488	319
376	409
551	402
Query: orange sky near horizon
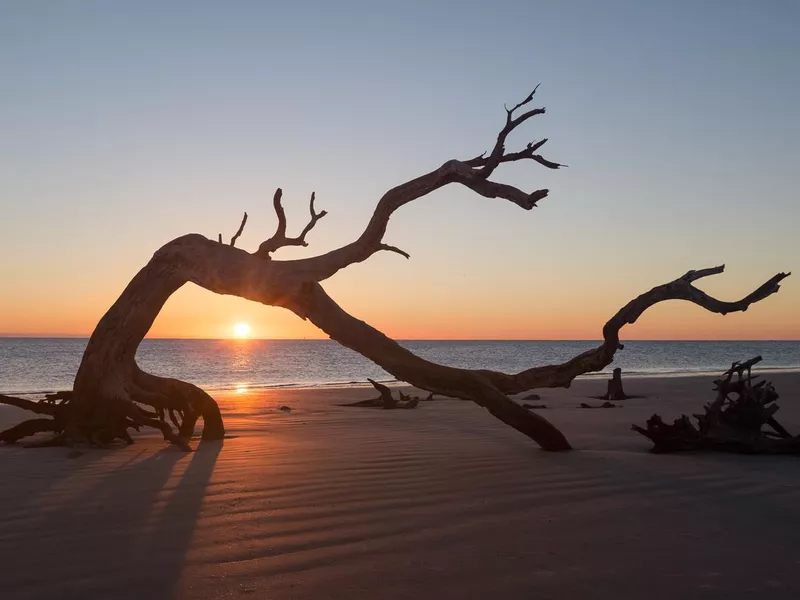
433	313
126	125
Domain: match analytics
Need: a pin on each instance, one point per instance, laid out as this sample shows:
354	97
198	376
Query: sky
126	125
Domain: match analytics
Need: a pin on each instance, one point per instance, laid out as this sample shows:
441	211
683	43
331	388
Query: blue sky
126	125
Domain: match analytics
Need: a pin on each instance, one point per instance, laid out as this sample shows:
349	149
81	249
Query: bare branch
314	304
41	408
528	153
523	103
279	239
315	216
321	267
489	189
394	249
561	375
497	155
239	231
472	174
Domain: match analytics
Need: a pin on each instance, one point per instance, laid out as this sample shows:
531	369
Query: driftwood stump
387	401
741	419
615	391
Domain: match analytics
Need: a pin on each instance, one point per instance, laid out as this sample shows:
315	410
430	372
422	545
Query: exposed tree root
28	428
729	424
72	424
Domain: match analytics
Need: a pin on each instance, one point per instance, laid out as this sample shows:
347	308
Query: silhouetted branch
239	231
472	173
279	239
498	155
394	249
561	375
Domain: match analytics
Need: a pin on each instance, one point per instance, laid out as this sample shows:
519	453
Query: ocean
35	365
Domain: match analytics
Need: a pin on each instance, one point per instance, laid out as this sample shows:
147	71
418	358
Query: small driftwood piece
603	405
387	401
534	406
740	419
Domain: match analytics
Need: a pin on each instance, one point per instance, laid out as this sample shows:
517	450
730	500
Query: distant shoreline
34	366
233	390
323	339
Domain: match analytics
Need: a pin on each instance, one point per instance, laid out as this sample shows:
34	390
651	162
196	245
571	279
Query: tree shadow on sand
125	536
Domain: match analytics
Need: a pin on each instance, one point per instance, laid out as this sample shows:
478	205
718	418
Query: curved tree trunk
111	393
109	385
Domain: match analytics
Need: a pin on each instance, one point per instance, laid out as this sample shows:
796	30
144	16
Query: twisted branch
561	375
471	173
279	239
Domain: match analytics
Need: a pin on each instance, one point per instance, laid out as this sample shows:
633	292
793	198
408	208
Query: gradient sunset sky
125	125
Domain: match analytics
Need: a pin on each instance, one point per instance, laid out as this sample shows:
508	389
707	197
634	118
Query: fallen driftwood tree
387	401
111	394
741	419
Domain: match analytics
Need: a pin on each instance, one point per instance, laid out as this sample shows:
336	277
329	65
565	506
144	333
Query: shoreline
394	383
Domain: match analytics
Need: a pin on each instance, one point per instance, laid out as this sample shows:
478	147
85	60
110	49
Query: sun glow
241	330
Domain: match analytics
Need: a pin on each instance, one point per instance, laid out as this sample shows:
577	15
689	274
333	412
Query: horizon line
324	339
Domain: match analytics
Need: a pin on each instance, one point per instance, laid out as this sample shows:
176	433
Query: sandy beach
439	502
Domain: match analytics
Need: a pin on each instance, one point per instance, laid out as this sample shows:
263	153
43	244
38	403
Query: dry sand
439	502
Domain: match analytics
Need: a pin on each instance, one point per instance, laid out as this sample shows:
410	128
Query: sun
241	330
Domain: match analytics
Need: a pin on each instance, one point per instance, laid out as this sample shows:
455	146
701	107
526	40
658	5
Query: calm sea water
29	365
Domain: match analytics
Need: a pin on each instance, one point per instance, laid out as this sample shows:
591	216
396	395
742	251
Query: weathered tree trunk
109	386
111	394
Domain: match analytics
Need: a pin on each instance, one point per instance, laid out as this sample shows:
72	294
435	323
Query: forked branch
472	173
279	239
498	154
